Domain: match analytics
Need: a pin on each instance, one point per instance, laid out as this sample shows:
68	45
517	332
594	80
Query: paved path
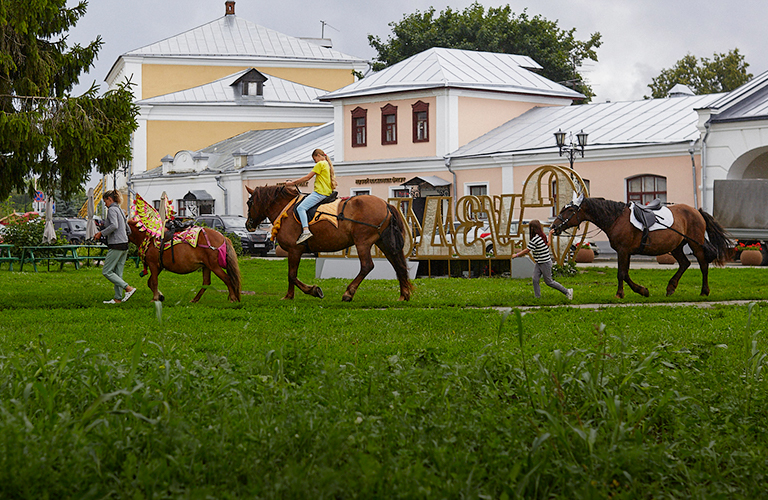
702	305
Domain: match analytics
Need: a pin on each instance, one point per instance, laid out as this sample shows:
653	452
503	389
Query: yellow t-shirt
323	178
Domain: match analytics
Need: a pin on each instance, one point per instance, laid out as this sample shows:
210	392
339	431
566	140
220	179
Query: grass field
445	396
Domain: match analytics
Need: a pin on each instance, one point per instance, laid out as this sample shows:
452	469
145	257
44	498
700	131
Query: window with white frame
645	188
480	189
359	191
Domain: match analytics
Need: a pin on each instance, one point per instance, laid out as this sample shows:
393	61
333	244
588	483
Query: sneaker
128	294
304	237
113	301
569	293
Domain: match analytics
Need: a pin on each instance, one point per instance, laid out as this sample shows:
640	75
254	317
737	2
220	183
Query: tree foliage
44	132
494	30
722	73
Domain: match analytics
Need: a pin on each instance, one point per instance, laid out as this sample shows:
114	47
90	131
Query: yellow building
196	88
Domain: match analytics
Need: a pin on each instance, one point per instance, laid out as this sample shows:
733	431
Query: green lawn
440	397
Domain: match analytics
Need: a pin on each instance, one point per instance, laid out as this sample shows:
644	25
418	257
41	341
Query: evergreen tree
44	132
494	30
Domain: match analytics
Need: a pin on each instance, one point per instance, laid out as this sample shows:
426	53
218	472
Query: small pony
213	252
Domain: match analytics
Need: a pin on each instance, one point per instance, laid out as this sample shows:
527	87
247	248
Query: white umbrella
49	234
90	225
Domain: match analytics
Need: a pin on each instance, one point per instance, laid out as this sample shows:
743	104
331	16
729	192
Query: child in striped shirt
539	244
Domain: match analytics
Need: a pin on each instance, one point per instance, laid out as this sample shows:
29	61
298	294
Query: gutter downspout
455	187
704	167
692	150
226	201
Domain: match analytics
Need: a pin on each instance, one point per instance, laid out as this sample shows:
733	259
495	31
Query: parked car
73	230
254	242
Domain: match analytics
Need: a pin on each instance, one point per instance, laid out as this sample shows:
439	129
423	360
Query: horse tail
233	267
392	244
719	249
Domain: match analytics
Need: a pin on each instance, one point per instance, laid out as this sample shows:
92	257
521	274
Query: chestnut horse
689	227
366	221
184	259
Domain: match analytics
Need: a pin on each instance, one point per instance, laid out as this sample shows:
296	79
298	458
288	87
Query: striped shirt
539	249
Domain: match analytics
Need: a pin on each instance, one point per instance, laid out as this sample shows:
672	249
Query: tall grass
374	399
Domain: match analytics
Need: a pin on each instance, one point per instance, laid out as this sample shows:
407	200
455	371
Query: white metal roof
276	91
440	67
235	37
748	102
650	121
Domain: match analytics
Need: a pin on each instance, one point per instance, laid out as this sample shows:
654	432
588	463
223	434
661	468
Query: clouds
640	37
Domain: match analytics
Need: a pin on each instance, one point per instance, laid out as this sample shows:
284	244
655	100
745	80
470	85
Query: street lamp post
571	149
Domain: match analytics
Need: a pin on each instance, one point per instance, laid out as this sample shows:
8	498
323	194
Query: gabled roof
221	91
235	37
617	124
748	102
440	67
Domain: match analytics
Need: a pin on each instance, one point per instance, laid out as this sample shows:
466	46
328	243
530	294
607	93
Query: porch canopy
432	180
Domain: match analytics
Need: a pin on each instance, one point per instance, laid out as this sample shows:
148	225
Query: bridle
565	221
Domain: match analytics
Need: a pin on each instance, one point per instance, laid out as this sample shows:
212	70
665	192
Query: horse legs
623	276
206	282
683	263
294	258
152	284
704	266
366	266
223	276
400	264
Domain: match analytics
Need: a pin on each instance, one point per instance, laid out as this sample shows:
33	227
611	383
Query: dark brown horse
367	221
689	227
185	259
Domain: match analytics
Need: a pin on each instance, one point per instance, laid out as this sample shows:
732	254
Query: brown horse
367	220
184	259
689	227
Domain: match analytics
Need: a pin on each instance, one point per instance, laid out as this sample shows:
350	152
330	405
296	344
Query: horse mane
264	197
604	212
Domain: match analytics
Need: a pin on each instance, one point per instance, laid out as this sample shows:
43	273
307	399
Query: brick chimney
230	8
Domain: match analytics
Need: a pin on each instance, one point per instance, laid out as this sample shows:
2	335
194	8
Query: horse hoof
319	292
644	292
346	298
161	298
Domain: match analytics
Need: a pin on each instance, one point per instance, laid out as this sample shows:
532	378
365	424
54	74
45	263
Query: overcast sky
640	37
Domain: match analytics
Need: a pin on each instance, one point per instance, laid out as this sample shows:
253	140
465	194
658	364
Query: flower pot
584	255
751	257
666	258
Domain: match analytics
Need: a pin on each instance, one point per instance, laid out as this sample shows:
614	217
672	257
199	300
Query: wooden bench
6	256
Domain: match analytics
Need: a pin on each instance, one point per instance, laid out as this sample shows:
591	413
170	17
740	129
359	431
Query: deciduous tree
494	30
44	132
722	73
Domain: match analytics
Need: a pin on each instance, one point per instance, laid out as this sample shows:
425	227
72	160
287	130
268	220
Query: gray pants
545	271
114	263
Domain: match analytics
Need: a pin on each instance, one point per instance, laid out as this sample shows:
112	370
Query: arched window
359	119
644	188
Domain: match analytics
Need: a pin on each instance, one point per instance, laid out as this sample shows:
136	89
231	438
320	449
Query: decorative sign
484	226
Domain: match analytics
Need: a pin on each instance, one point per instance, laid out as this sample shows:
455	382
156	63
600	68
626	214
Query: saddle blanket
664	218
189	236
326	211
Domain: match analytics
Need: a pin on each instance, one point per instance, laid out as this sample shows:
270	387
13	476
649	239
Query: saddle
311	212
646	215
173	226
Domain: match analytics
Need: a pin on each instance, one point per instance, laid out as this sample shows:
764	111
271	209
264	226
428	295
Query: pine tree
45	132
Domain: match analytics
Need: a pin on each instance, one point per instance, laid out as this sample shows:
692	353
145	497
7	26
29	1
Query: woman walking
116	231
539	244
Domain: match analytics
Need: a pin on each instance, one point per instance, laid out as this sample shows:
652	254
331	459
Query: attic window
253	88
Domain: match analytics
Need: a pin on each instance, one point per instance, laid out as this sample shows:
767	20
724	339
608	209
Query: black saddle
646	214
311	212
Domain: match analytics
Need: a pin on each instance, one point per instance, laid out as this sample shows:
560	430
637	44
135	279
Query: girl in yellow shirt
325	183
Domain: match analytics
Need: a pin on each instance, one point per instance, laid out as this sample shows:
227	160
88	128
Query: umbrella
90	225
49	234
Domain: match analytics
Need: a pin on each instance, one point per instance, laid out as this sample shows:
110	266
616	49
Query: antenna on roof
323	24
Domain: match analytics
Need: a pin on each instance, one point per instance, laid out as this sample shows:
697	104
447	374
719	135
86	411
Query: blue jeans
310	201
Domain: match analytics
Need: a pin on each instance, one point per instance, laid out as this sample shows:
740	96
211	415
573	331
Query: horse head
568	216
137	235
262	202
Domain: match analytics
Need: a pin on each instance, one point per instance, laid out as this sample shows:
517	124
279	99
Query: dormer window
251	84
